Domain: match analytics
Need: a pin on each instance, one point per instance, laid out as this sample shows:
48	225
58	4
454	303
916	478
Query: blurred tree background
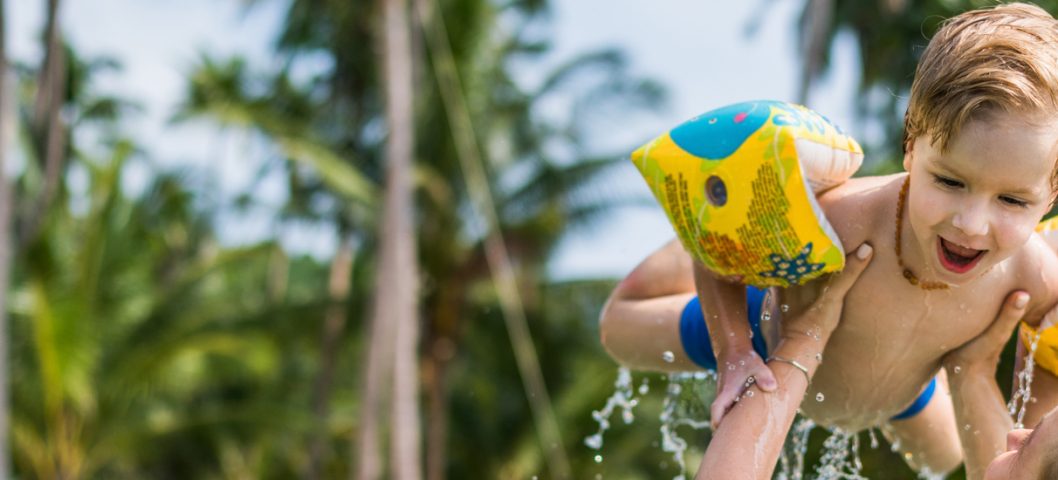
139	346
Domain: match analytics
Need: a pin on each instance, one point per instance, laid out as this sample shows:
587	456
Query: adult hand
982	353
821	318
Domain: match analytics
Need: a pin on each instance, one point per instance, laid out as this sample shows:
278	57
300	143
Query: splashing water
792	458
685	407
1020	399
841	457
622	398
927	474
686	403
687	398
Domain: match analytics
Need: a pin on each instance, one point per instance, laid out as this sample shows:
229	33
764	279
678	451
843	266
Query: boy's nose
972	220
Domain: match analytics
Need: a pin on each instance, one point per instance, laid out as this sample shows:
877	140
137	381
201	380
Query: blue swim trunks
695	338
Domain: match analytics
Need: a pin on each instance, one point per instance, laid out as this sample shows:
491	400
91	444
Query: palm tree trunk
815	30
402	289
7	117
48	123
394	322
333	328
436	369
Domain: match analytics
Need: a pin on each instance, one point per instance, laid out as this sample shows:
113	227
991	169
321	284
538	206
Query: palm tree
538	205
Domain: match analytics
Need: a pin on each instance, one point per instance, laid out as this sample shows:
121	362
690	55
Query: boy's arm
748	444
724	308
975	395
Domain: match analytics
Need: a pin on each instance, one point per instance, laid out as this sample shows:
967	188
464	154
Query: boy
951	237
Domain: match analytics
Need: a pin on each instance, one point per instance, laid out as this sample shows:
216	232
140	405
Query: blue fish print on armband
718	134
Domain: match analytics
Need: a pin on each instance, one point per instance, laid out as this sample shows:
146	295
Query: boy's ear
908	151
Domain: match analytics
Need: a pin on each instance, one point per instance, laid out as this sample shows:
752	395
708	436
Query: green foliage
142	348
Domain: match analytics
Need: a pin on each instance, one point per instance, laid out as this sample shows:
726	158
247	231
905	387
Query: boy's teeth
960	250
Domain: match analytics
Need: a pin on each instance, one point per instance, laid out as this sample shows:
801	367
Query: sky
700	51
697	49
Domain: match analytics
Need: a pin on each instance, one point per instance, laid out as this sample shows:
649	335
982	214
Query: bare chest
889	342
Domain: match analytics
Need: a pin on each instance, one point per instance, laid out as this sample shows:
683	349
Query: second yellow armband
1047	348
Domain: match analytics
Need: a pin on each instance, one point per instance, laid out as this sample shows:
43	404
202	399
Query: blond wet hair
1002	58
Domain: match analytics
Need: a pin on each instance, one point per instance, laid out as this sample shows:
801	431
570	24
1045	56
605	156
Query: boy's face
972	206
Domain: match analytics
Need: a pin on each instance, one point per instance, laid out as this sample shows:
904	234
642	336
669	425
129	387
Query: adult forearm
748	442
982	417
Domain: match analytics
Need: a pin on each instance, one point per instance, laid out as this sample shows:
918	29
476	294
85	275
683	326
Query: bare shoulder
861	207
1035	270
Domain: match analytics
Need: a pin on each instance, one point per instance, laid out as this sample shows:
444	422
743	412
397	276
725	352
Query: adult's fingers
839	285
1009	315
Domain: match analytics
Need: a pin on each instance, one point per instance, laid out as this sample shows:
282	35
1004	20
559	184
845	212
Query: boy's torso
892	335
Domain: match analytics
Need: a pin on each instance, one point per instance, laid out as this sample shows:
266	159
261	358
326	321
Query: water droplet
628	417
742	363
819	357
819	397
598	459
751	334
594	442
730	366
907	456
668	356
765	317
749	393
785	308
958	369
535	477
966	427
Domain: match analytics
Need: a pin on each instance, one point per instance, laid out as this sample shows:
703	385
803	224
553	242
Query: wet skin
1031	454
986	192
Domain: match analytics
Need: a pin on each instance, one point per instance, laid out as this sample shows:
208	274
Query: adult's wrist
803	349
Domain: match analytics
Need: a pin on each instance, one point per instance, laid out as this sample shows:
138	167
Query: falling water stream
1021	397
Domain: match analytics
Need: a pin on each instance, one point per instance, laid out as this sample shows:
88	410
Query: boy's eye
1012	201
947	182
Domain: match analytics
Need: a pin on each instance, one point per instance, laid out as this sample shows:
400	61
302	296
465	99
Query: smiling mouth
957	258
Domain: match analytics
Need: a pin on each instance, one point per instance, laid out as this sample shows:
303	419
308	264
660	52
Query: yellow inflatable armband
1046	355
1048	229
738	185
